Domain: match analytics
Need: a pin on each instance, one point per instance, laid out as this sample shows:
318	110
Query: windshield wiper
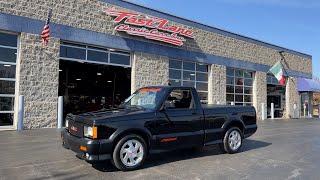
135	106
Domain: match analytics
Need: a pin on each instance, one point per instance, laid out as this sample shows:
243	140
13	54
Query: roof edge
185	21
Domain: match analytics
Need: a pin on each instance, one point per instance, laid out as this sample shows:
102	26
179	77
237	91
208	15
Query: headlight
91	132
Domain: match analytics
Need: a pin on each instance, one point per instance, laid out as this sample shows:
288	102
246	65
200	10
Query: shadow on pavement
183	154
63	175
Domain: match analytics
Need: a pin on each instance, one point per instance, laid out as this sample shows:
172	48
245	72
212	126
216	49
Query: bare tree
316	78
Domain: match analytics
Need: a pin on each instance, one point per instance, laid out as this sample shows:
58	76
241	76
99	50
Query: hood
110	115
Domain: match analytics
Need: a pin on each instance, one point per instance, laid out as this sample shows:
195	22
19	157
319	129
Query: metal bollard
263	111
20	112
272	111
232	103
295	111
319	110
60	111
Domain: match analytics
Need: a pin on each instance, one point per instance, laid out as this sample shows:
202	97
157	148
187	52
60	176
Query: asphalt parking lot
281	149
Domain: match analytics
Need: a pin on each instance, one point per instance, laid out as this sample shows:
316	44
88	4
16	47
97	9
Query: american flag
46	30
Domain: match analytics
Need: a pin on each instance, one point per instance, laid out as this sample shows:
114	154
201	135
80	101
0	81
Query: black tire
116	161
226	147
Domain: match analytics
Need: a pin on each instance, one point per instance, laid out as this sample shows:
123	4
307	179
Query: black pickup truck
156	119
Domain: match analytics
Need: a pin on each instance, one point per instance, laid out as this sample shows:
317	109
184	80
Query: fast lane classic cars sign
149	27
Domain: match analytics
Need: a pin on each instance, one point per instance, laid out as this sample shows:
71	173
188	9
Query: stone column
149	70
38	80
292	97
217	84
260	92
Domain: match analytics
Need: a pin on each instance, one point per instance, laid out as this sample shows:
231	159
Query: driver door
180	122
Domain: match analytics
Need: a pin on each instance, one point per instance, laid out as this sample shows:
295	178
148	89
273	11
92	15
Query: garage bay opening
92	79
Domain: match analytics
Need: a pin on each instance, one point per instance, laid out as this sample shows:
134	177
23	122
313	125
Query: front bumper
94	151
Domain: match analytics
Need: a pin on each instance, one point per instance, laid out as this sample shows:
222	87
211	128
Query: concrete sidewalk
281	149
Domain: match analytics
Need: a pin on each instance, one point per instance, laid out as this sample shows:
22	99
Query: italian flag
277	71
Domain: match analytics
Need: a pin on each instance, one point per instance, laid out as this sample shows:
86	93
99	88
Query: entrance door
276	95
306	105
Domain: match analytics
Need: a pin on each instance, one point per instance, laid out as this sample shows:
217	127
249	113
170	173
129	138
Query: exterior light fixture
192	74
99	74
78	79
7	65
109	81
112	49
60	70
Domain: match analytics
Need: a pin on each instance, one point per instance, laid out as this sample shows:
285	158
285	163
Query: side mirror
163	108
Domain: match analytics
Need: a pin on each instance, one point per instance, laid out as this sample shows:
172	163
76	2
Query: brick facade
260	93
217	84
149	70
38	72
292	97
86	14
38	75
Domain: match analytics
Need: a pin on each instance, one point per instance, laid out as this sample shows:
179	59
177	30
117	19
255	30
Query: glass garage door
8	56
93	78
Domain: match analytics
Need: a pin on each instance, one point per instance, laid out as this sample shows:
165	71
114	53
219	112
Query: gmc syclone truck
155	119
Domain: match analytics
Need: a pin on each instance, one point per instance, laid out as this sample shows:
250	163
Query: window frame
195	81
178	109
10	95
96	49
234	85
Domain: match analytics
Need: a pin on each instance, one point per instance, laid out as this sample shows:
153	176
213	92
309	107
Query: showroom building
100	51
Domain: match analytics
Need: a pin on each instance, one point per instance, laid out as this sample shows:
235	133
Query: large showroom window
239	86
182	73
8	56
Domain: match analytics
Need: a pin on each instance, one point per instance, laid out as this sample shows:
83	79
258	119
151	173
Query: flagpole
283	59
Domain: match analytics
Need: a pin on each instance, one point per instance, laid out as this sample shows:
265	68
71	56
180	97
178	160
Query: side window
180	99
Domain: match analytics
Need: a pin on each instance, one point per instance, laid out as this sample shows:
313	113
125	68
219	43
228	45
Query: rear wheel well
235	124
137	132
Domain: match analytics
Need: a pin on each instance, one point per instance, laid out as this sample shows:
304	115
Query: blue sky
294	24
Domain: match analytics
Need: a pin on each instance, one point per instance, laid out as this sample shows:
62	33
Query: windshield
147	98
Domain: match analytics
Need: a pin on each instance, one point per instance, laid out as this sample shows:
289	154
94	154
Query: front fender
121	132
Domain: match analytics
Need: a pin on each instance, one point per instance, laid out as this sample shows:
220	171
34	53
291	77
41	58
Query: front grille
75	128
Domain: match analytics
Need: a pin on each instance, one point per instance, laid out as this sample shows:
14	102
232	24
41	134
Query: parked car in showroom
156	119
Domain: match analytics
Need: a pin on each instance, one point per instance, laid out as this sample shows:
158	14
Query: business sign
149	27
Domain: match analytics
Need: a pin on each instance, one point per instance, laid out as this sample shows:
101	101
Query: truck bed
217	116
